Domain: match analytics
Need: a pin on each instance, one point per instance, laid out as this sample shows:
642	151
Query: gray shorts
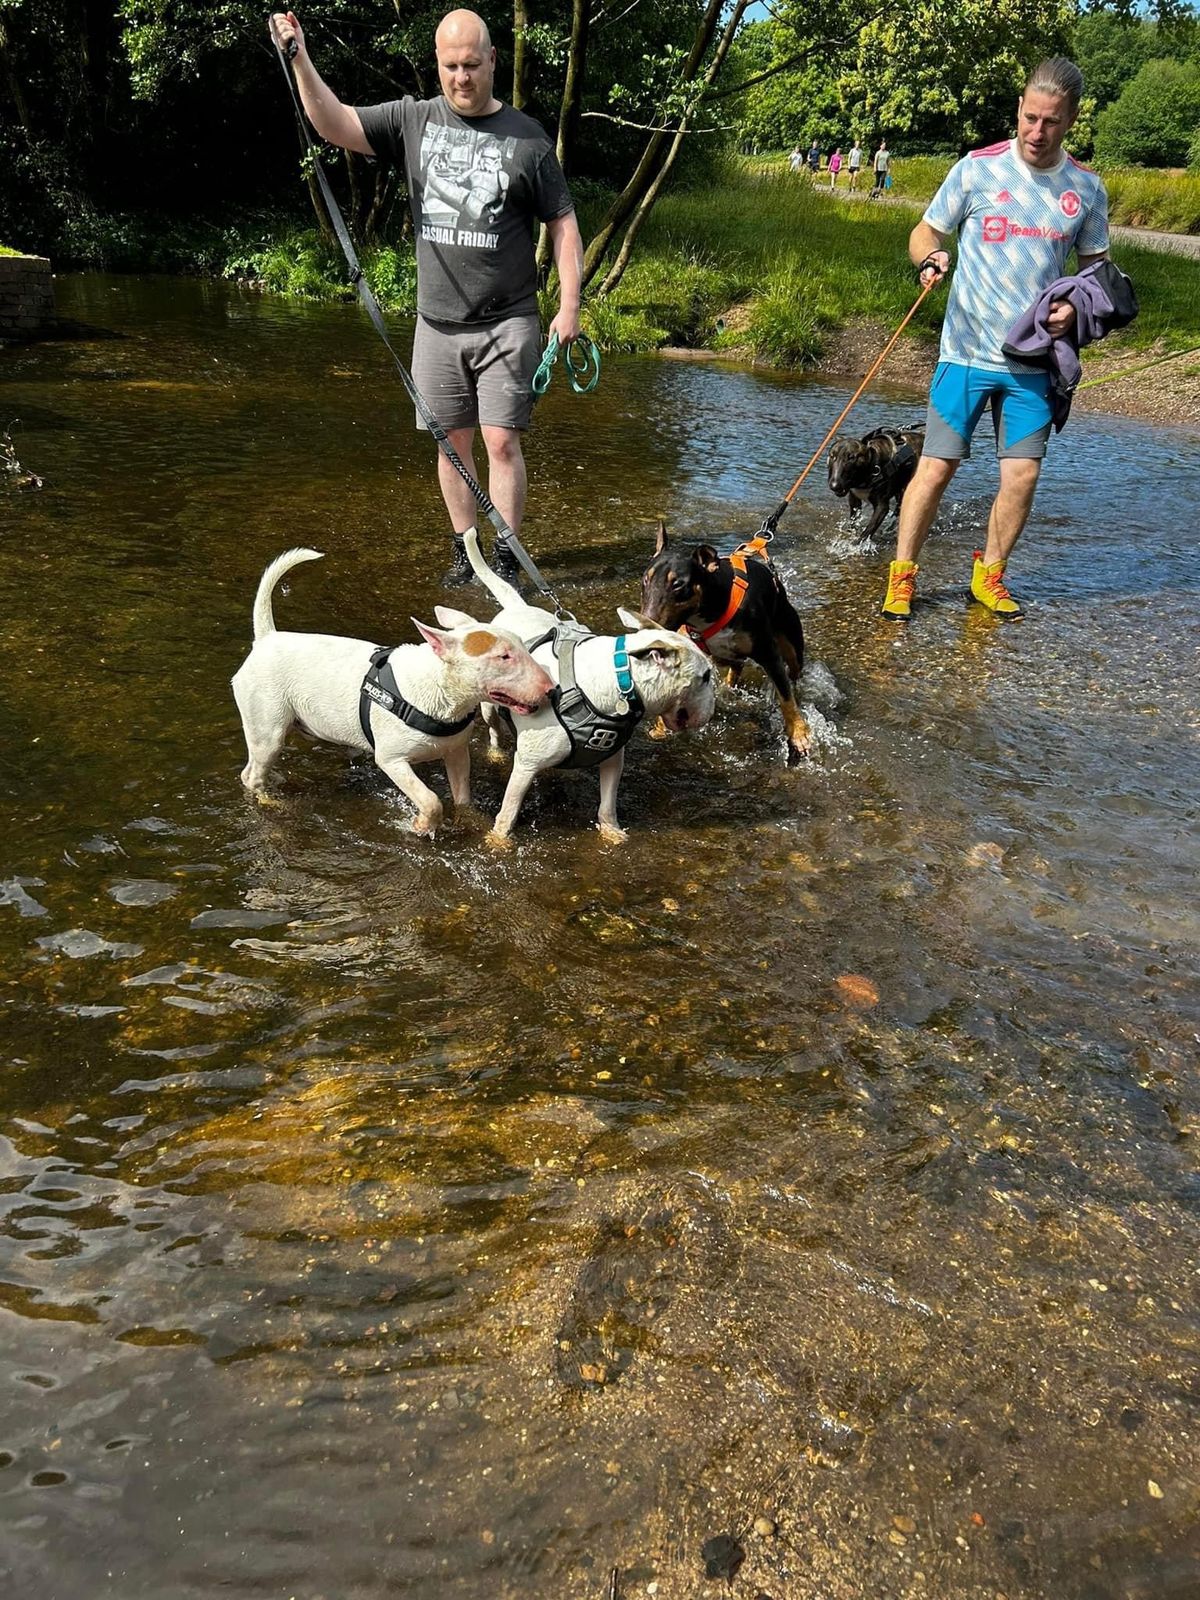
468	375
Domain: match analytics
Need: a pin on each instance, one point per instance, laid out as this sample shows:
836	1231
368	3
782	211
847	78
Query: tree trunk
355	208
383	198
521	61
324	226
623	206
12	77
647	202
572	95
568	114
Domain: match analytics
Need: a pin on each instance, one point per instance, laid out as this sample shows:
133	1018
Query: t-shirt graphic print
476	186
465	177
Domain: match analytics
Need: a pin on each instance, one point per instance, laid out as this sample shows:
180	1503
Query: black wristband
942	272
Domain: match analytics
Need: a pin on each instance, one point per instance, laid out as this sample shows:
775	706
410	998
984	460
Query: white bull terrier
329	686
605	686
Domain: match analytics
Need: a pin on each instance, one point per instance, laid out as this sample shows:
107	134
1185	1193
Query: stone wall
26	296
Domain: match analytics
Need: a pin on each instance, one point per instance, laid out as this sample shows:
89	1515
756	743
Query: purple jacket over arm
1103	300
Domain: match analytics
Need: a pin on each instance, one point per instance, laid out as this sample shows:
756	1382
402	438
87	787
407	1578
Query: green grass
6	251
761	262
787	263
1144	198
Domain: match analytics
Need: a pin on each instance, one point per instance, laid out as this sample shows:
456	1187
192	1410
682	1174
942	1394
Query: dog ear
442	644
660	544
704	555
658	646
634	620
450	618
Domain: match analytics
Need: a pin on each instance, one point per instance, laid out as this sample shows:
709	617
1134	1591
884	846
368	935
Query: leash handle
771	523
582	360
583	369
545	371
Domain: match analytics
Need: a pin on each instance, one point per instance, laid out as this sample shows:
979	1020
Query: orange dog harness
756	549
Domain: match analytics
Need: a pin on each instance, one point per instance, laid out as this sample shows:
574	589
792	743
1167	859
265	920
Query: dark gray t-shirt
475	185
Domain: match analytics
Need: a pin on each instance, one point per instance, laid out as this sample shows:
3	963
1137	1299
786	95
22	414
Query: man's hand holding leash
288	34
934	268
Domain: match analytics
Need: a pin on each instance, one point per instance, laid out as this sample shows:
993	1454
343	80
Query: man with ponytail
1019	208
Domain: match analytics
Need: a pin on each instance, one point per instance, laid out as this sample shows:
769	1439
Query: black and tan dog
735	608
877	468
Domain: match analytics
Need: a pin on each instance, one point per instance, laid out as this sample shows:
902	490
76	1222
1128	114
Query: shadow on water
388	1217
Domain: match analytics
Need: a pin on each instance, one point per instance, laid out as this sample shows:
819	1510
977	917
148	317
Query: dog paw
612	835
659	730
269	802
798	751
425	827
497	754
499	842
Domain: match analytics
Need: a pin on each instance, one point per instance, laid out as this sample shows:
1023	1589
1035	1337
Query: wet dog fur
673	678
859	472
691	588
313	681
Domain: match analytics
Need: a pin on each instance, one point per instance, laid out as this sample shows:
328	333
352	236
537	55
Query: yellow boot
902	583
987	586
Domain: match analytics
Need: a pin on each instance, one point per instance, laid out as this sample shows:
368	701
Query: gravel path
1176	244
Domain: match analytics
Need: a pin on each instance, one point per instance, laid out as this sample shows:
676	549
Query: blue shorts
1021	411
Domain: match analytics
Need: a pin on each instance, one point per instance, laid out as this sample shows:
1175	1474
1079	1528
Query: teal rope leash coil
582	359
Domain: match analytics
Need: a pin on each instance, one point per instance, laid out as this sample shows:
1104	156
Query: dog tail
496	586
264	619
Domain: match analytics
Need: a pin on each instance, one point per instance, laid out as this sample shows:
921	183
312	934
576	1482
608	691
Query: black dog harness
381	689
595	735
903	455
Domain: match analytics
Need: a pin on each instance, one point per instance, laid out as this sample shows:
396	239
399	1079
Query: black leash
371	306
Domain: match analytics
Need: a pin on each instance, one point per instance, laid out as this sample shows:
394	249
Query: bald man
479	174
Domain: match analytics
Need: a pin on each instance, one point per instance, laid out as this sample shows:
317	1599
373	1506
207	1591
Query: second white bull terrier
339	689
648	672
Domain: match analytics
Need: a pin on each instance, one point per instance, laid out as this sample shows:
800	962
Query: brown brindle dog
736	609
877	468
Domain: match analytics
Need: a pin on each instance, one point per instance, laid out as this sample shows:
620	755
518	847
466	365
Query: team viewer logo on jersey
1069	203
995	229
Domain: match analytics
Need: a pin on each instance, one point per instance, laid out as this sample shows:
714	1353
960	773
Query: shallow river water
384	1217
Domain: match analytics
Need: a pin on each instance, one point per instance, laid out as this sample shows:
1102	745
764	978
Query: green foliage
1110	50
761	263
302	264
1155	120
785	328
924	73
1194	153
1143	198
953	66
794	106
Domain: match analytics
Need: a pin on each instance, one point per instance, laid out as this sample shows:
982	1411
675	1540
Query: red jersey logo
1070	204
995	229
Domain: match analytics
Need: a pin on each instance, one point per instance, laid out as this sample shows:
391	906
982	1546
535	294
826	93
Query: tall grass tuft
1147	198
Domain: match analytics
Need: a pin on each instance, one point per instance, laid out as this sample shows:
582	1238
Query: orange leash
770	523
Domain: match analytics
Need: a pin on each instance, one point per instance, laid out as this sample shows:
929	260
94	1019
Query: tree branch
823	45
658	127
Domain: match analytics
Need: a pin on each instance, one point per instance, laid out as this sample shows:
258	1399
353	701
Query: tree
1155	120
958	64
1110	50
